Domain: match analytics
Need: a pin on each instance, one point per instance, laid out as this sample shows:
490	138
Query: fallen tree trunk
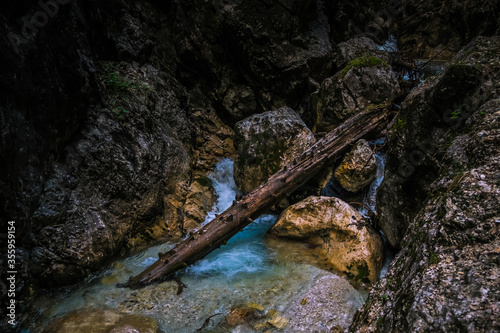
280	185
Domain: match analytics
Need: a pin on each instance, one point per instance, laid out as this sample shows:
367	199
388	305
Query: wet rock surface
339	234
444	279
265	143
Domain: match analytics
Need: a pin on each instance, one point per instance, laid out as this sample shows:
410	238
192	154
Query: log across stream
273	273
280	185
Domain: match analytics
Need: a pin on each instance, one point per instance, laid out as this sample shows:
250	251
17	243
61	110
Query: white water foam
370	198
224	186
244	253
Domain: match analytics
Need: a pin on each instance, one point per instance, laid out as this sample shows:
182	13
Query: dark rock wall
439	204
111	108
440	28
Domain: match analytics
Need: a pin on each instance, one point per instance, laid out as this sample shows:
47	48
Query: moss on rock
362	62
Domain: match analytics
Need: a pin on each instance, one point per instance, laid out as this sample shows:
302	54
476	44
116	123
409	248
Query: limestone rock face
240	102
435	110
363	82
111	185
354	17
199	202
349	245
265	142
440	204
358	167
102	321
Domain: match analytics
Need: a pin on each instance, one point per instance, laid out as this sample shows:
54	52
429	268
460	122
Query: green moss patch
362	62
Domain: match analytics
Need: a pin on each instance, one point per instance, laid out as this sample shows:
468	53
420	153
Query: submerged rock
342	238
319	309
102	321
365	81
358	167
265	143
243	314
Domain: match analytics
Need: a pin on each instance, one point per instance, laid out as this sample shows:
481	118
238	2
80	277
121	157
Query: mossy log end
278	186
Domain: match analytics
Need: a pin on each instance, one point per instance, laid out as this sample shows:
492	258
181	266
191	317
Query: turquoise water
276	275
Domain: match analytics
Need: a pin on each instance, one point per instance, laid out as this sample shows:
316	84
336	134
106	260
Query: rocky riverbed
114	116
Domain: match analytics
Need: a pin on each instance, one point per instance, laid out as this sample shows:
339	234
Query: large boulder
365	81
360	46
442	179
344	240
111	185
358	167
265	143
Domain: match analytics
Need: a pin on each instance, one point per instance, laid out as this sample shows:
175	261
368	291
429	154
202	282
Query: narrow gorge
126	127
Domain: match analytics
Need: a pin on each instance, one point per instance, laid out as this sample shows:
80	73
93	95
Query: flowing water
426	67
276	275
370	199
390	45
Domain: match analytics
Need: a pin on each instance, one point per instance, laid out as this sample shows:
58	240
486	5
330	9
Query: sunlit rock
358	168
346	243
